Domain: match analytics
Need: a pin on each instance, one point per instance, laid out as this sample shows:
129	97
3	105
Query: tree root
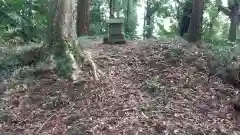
96	72
106	57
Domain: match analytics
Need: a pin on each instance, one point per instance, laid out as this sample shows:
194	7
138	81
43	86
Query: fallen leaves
119	103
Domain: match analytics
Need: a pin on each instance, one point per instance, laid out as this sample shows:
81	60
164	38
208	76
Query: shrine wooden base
114	39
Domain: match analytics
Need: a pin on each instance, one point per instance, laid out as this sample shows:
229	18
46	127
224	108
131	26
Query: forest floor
148	88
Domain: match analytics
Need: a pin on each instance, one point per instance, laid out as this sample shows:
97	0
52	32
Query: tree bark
194	31
233	14
118	9
112	8
151	8
83	12
234	22
127	29
62	37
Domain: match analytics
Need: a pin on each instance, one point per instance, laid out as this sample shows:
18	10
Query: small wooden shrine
115	34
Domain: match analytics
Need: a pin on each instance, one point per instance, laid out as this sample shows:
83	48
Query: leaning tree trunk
83	17
194	31
62	36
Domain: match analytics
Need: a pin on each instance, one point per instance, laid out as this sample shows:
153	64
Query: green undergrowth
154	85
25	57
223	51
15	56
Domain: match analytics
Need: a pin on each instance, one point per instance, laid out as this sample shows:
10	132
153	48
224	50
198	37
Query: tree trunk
179	15
151	9
233	13
112	8
127	28
62	36
144	23
83	9
148	29
118	9
234	22
194	31
185	18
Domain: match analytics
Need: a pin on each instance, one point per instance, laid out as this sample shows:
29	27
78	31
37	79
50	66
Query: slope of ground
148	88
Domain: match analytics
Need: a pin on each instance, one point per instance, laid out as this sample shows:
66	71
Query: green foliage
4	116
99	14
154	85
98	24
23	18
15	56
131	25
64	66
63	60
74	131
233	2
174	53
223	51
130	14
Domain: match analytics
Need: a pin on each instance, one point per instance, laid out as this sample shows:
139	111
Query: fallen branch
55	114
165	97
48	120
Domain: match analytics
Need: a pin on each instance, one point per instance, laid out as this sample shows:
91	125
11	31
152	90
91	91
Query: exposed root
106	57
100	72
96	72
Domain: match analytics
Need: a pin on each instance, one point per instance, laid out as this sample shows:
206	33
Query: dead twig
48	120
165	96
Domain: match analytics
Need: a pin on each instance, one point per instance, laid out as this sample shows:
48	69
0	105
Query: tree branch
225	10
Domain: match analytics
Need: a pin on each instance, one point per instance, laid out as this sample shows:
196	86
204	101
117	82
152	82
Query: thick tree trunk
62	36
83	9
194	31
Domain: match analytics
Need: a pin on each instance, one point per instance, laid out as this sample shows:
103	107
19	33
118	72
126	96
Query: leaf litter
148	88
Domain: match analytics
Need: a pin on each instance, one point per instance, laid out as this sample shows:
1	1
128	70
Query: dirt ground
148	88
